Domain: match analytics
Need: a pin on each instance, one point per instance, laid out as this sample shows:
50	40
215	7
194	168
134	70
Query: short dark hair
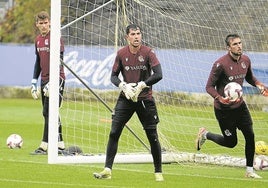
132	26
229	37
42	16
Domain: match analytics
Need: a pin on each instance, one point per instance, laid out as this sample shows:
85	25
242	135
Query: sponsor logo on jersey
137	67
43	49
240	76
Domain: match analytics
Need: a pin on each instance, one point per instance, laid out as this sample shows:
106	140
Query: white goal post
187	36
54	80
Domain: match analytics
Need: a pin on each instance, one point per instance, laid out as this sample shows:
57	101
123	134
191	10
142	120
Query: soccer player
140	69
232	67
41	67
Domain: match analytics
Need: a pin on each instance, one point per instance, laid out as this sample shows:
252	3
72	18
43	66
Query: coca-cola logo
93	72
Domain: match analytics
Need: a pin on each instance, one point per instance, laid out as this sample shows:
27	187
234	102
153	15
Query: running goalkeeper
140	69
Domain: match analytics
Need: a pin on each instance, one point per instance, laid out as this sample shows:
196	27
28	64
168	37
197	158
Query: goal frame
54	158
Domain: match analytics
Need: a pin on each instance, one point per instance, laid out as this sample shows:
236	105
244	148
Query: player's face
43	26
235	47
134	37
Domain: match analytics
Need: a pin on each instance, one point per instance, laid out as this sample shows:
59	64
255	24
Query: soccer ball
261	162
261	148
233	90
14	141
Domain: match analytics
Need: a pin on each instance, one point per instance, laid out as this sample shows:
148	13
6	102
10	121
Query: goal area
187	36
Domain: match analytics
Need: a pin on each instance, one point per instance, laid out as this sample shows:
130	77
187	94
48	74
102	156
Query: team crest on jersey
46	42
140	58
243	65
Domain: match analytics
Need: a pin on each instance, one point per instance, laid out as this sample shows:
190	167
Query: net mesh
187	36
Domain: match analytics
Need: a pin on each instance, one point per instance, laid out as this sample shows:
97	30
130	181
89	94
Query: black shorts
234	118
45	100
146	111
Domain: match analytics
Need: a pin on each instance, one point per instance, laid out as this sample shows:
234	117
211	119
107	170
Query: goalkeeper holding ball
140	69
234	66
41	67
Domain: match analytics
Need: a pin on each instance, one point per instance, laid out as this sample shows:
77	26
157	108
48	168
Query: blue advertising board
93	64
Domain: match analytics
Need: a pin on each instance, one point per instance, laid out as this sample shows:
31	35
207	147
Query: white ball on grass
14	141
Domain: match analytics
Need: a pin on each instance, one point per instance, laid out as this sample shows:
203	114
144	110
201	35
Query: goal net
187	36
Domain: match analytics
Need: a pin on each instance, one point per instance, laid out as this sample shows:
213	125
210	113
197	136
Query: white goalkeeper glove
46	90
34	89
139	87
128	89
263	89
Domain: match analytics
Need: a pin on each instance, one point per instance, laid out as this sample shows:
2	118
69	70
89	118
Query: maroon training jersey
226	70
42	49
136	67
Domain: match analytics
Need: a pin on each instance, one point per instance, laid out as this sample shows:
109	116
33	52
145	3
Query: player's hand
224	100
263	90
46	90
128	89
34	89
139	87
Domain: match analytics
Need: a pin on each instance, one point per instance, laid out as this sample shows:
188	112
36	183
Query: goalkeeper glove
139	87
46	90
263	90
128	89
34	90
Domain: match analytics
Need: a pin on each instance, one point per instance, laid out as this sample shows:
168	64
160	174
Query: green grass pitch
19	169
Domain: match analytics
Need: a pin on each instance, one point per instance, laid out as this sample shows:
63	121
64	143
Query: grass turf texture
19	169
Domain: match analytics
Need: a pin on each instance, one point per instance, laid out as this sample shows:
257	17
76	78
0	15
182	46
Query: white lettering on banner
92	72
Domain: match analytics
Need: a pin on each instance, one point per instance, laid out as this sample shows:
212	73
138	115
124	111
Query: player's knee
45	113
115	132
114	135
152	135
231	143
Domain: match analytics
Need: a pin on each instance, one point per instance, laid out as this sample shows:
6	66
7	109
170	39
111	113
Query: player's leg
42	149
245	125
228	136
61	145
156	152
148	116
123	111
227	123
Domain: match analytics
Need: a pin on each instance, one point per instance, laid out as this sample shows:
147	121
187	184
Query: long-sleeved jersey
142	66
42	51
226	70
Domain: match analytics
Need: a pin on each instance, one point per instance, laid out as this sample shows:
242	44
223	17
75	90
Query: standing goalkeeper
140	69
41	67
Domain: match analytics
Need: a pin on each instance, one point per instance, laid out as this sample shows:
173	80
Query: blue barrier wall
17	66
